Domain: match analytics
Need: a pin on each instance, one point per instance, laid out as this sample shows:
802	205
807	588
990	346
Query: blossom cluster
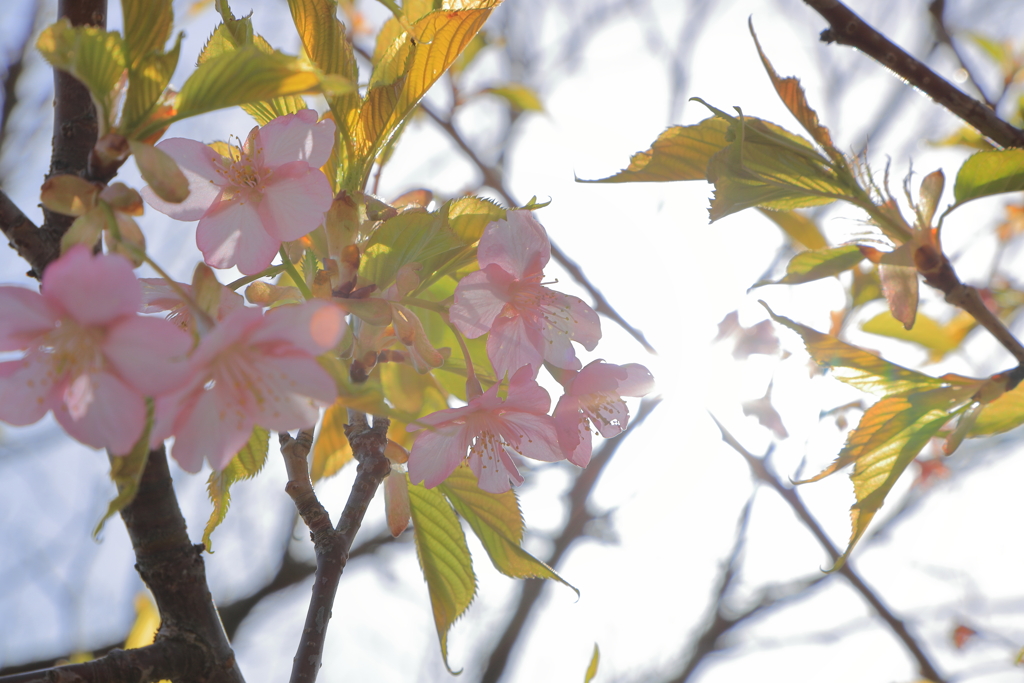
116	377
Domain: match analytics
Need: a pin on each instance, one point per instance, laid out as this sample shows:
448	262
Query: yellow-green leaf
126	472
242	76
468	216
90	54
147	26
410	237
988	173
160	171
444	558
520	96
926	332
147	81
246	464
679	153
799	227
496	520
595	659
815	265
332	450
1001	415
859	368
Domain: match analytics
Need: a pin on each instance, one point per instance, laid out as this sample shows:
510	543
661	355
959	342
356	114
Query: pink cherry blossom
270	190
159	296
527	322
251	369
489	430
594	396
89	357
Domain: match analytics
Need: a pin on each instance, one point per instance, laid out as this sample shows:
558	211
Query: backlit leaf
815	265
520	96
410	237
497	521
799	227
792	95
988	173
859	368
126	472
147	81
332	450
444	558
147	26
1001	415
246	464
468	216
595	660
244	75
679	153
926	332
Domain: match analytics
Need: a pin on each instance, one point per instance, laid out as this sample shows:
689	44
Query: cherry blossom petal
494	468
599	376
447	415
607	413
290	393
534	436
148	353
518	245
111	414
112	290
525	395
513	344
210	428
297	137
573	430
25	315
25	388
436	453
314	326
202	168
479	299
638	382
295	199
232	234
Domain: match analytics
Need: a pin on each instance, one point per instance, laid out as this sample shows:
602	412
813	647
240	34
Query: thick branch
579	515
846	28
332	545
25	238
761	472
163	660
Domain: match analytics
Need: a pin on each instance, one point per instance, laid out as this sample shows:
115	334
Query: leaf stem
293	273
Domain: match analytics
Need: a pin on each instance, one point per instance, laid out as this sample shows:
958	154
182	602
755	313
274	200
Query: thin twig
25	238
299	486
846	28
759	469
937	9
580	514
332	545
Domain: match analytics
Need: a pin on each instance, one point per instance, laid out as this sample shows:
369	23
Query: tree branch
759	469
332	545
575	529
24	237
167	659
846	28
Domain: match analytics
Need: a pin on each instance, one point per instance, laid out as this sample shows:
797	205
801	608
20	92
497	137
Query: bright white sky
675	488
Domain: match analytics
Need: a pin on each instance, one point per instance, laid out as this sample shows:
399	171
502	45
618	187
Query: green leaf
799	227
147	81
1001	415
444	558
409	237
815	265
926	332
521	97
891	433
498	523
245	465
679	153
160	171
988	173
93	56
242	76
861	369
147	26
332	450
595	659
126	472
468	216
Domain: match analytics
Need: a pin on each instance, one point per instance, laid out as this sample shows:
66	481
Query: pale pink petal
608	414
204	171
313	326
447	415
570	316
639	381
599	376
518	245
25	315
525	395
232	234
112	419
479	299
149	353
574	436
240	324
533	436
436	453
212	429
158	295
295	199
289	393
297	137
492	465
93	290
512	344
25	388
